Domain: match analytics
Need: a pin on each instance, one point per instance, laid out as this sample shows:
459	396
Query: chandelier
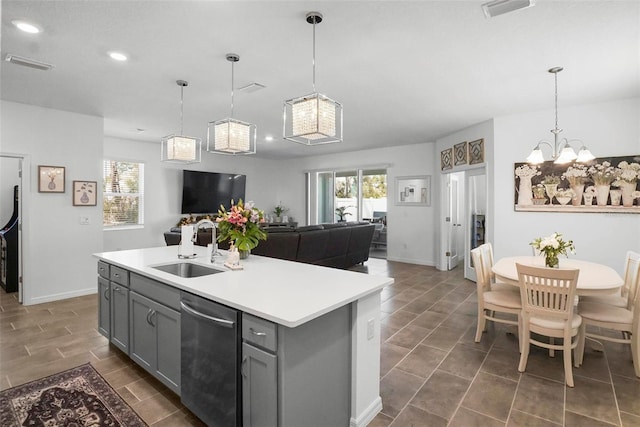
231	136
562	150
313	119
180	148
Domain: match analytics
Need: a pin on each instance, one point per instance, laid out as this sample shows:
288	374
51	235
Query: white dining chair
548	309
487	261
626	296
491	301
622	319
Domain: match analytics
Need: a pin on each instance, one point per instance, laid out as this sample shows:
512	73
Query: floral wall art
606	184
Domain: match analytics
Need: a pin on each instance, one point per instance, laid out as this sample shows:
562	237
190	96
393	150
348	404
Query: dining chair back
490	300
621	319
629	288
547	296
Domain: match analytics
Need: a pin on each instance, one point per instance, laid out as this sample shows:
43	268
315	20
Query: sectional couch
339	245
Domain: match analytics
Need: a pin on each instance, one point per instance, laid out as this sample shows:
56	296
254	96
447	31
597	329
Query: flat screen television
204	192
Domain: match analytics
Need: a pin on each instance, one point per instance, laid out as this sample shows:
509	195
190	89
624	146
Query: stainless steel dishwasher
211	348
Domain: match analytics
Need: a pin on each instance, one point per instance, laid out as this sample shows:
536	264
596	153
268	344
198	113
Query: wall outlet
84	220
370	328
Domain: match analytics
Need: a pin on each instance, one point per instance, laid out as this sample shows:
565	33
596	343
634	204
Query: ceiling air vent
500	7
251	87
28	62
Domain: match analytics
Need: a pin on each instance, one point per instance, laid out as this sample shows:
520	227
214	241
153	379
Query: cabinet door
167	323
142	332
259	387
104	326
120	317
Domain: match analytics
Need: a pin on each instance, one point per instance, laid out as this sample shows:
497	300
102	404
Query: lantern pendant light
180	148
231	136
313	119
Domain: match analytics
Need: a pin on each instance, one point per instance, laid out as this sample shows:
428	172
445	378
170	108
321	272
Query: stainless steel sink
187	269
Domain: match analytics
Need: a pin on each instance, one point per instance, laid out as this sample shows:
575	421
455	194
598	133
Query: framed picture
50	179
460	154
446	159
84	193
413	190
476	152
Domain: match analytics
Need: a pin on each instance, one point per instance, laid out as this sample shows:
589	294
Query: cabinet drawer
164	294
103	269
259	331
119	275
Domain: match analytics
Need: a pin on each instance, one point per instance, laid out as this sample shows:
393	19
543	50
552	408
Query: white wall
57	251
608	129
8	179
484	131
163	188
412	232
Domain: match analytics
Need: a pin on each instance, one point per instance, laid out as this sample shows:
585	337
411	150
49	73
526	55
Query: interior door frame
469	271
24	182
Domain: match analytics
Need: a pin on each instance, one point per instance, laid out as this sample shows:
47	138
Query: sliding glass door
346	196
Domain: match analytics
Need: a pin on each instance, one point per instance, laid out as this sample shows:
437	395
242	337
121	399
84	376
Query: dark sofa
339	245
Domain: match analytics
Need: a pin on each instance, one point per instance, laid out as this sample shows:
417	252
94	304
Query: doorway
476	208
11	176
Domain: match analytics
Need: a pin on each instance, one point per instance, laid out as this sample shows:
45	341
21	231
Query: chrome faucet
214	252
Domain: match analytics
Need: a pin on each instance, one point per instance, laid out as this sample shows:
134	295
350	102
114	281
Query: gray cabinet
104	311
284	370
259	370
119	312
154	331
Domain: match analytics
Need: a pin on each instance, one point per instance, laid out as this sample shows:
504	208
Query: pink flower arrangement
241	225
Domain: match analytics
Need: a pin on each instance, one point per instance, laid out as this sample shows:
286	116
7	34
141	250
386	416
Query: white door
453	220
476	209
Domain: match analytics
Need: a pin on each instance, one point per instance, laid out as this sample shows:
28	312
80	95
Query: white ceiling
405	71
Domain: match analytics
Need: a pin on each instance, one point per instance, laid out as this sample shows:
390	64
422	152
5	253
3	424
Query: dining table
593	279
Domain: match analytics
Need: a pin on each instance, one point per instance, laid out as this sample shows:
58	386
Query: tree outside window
123	189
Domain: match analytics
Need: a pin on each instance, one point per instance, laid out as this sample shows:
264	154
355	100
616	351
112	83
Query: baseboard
368	414
412	261
61	296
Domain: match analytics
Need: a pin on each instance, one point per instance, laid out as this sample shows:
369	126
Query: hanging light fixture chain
556	80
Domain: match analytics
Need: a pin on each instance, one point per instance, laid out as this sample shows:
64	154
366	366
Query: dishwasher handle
222	322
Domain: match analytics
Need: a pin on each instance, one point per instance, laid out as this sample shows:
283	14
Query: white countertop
285	292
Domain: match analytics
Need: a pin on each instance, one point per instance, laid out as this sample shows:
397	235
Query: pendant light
313	119
231	136
180	148
562	151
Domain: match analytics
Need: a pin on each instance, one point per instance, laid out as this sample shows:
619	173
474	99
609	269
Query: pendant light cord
232	63
181	110
556	79
314	54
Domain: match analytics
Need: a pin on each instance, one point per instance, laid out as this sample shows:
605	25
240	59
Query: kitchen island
304	303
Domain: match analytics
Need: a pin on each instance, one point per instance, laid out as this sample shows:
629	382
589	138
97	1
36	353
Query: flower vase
602	194
627	189
578	189
552	189
551	260
244	254
616	196
524	191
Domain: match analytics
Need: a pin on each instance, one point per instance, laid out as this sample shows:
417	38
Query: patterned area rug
77	397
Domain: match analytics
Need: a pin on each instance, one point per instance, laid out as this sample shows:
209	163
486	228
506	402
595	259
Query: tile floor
432	373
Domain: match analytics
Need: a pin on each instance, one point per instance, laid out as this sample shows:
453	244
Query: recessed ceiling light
118	56
268	138
26	27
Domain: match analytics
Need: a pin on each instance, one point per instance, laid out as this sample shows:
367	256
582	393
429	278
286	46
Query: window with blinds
123	190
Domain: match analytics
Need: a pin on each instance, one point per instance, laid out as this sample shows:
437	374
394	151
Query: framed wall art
84	193
476	152
50	179
460	154
446	159
413	190
605	184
